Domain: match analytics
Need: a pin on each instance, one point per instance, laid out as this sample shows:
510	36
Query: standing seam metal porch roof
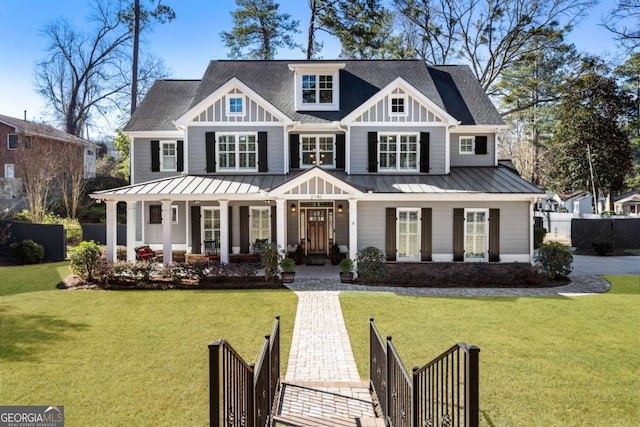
493	180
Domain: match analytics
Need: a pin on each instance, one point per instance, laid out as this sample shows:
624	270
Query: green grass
543	361
124	358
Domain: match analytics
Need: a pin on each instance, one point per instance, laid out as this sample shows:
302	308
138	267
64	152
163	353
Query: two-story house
393	154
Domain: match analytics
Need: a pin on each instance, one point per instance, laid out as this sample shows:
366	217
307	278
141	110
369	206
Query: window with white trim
237	151
235	105
259	224
9	170
174	214
211	224
466	145
12	141
398	152
317	150
398	106
476	234
408	234
317	89
168	156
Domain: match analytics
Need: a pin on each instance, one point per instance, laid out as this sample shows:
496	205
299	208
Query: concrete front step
318	403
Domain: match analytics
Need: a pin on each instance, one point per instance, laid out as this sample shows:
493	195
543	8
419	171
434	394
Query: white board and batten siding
217	111
514	231
416	112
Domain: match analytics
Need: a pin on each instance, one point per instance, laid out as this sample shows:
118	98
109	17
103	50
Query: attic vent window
235	106
398	106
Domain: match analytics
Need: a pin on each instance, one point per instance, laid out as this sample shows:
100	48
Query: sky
186	44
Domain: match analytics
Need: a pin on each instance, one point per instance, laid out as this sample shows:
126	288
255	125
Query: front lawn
124	357
543	361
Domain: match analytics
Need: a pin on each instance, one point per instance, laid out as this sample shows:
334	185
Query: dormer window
317	86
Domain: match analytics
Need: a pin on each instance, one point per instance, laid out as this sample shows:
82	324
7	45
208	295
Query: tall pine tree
259	30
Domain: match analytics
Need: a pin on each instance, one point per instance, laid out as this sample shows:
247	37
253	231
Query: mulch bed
75	283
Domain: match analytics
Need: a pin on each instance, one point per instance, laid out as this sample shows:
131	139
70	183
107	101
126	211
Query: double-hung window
9	170
398	152
466	145
211	224
317	89
168	156
12	141
317	150
237	151
260	224
476	228
408	234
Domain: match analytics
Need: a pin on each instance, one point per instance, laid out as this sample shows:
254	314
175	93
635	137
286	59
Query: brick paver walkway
322	386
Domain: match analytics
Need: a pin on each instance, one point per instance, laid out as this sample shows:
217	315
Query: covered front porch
313	210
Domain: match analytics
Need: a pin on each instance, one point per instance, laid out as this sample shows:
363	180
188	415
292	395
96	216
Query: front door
316	231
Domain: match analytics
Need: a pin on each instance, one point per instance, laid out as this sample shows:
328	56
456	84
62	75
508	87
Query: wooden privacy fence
444	392
98	233
243	394
624	233
51	236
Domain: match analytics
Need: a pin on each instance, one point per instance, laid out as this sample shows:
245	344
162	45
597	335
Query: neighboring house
628	204
392	154
577	202
17	135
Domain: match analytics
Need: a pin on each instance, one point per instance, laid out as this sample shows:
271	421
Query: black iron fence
444	392
243	394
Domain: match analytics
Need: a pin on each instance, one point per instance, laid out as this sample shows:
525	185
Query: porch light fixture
339	208
293	207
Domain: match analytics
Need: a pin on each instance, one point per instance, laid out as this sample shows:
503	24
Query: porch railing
444	392
243	394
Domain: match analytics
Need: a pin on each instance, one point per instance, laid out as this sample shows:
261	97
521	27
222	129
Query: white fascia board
478	128
233	83
314	172
316	66
446	197
158	134
386	91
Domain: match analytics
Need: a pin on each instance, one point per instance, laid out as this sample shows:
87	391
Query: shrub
27	252
602	247
371	264
121	253
84	260
271	257
554	259
538	236
346	265
287	265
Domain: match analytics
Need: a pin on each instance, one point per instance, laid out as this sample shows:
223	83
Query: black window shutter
340	151
210	151
263	166
244	229
195	230
274	225
494	235
481	145
458	234
180	154
294	151
390	234
155	156
424	152
372	138
426	242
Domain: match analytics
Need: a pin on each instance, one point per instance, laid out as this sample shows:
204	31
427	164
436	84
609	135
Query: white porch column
353	228
131	230
166	232
224	231
112	230
281	227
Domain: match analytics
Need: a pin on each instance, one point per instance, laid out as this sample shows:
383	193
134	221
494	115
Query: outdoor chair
145	253
212	251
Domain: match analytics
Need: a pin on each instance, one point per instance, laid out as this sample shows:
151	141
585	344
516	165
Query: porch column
166	232
224	231
112	229
131	230
281	228
353	228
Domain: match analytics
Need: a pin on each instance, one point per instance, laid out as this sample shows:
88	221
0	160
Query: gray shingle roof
453	88
42	130
492	180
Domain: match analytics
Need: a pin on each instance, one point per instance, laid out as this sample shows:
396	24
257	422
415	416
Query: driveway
595	265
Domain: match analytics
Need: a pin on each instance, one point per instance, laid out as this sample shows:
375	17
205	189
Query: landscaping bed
477	275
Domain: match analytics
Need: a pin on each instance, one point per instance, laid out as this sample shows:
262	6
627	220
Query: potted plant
288	270
334	254
346	270
299	255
